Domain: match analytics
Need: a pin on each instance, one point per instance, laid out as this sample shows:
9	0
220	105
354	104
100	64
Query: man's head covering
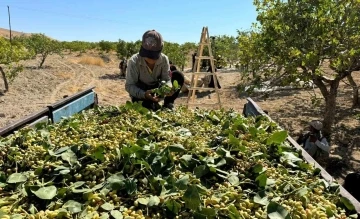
316	124
152	45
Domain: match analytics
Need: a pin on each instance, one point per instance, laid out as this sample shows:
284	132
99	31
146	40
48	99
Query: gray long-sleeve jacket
312	147
139	77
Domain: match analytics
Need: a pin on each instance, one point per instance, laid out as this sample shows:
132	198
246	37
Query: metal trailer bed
88	99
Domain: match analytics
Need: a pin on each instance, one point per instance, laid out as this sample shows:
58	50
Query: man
193	60
313	142
211	83
123	66
146	70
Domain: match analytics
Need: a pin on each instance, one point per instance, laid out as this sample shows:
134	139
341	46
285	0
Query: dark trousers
176	75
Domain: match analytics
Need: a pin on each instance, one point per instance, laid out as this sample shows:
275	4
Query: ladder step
204	57
201	88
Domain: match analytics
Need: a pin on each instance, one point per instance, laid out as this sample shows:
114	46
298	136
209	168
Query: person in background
122	67
193	60
179	77
146	69
211	83
314	143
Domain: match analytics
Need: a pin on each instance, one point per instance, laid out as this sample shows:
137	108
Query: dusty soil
35	88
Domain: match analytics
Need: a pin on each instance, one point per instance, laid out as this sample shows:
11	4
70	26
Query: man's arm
323	144
132	77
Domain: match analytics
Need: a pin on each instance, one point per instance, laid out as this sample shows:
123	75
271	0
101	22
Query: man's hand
313	138
148	96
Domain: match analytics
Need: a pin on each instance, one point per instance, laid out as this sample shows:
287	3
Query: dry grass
92	61
63	75
73	89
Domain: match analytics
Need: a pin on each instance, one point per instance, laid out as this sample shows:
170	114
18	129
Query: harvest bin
66	107
87	99
252	109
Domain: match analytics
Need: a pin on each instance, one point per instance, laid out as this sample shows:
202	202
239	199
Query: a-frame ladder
204	41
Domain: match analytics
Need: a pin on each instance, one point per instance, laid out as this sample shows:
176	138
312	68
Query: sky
95	20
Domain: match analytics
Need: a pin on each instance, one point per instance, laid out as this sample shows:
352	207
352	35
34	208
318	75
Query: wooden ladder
204	41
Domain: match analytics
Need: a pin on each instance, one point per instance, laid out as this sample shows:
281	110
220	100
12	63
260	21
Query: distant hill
5	33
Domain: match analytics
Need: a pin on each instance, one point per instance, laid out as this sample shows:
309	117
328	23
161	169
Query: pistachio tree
10	56
297	36
43	46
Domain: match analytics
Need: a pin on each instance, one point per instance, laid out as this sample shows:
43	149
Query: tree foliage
226	47
78	46
10	56
297	37
43	46
106	46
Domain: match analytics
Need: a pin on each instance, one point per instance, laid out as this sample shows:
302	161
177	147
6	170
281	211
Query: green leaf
173	206
347	203
177	148
176	84
60	151
104	215
234	213
116	214
261	198
16	216
32	209
143	201
277	137
302	192
253	131
77	184
258	168
153	201
329	212
130	186
222	162
64	172
234	180
201	170
182	182
276	211
234	141
205	213
289	158
17	178
192	197
261	179
70	157
184	132
46	193
98	154
72	206
107	206
256	154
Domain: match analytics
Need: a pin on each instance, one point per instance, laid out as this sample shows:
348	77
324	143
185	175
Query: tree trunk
42	60
330	104
5	79
355	91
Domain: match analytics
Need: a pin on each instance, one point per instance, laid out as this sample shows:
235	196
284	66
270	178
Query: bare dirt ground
36	88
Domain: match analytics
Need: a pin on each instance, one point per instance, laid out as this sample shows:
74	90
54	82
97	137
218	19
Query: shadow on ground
111	77
33	67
